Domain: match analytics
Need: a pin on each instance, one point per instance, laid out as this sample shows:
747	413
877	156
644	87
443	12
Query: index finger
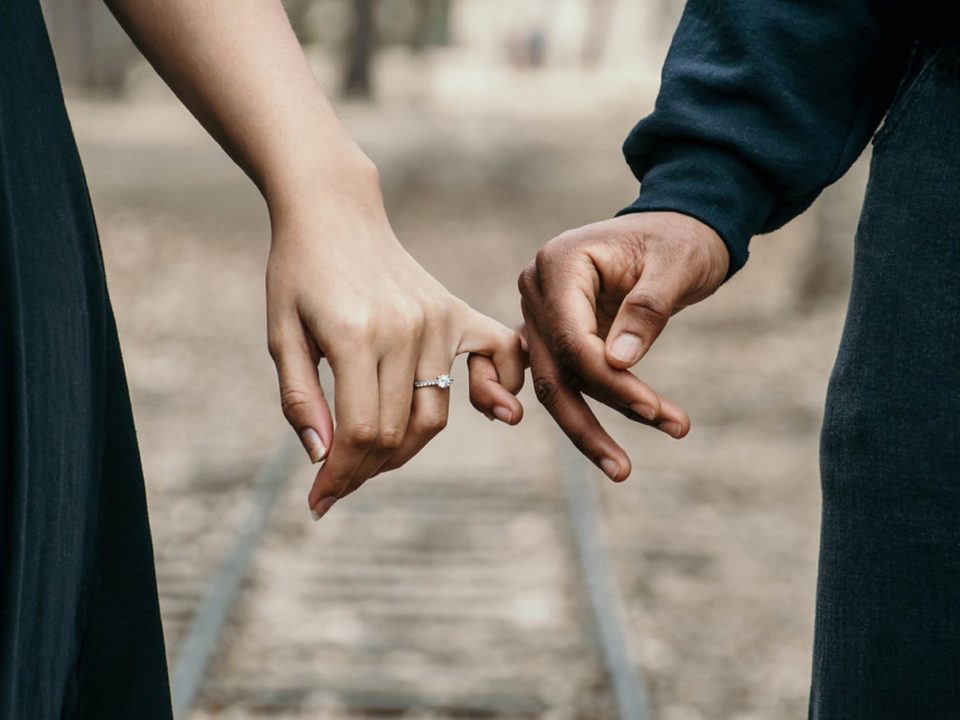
567	316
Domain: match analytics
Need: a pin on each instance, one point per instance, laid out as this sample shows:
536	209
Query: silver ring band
441	381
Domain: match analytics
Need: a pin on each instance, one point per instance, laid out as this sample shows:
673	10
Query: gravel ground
714	537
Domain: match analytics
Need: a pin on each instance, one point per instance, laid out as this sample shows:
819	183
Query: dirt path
715	537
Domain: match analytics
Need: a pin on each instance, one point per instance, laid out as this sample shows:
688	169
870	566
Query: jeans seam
905	99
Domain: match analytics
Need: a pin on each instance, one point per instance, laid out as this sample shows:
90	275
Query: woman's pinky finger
485	336
487	394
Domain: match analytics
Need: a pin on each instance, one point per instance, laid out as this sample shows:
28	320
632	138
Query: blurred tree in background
356	80
417	24
94	53
343	38
600	14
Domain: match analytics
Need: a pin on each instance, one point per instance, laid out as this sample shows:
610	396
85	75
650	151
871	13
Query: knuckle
389	466
569	378
527	282
579	437
544	256
275	348
510	342
361	434
567	348
358	325
332	484
545	389
293	402
647	304
432	425
390	438
572	236
553	255
506	346
410	320
431	310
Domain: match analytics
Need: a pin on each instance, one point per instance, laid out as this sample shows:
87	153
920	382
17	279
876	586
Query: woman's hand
341	287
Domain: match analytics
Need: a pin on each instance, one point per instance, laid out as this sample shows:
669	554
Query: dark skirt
80	633
887	641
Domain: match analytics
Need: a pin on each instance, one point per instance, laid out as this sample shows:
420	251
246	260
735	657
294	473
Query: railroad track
428	597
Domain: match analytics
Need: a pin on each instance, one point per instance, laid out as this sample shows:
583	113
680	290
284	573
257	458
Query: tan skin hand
594	300
340	286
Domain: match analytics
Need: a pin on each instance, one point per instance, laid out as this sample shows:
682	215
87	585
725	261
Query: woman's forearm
238	67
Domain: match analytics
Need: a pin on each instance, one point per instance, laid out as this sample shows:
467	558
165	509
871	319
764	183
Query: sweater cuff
706	183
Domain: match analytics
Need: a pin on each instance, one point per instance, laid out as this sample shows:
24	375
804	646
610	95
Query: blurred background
451	588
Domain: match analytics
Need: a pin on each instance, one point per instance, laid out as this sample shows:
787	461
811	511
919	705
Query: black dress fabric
80	633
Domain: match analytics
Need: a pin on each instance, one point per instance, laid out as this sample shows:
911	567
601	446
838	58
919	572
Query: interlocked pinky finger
487	395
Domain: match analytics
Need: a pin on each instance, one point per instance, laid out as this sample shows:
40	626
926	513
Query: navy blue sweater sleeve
763	103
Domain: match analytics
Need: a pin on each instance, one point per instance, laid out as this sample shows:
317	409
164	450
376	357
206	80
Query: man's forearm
763	104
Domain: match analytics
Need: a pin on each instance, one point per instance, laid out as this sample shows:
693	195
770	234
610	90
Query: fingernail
610	468
322	507
647	412
313	445
671	428
626	348
503	414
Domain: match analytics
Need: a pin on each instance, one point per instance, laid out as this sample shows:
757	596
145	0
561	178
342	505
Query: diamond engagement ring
441	381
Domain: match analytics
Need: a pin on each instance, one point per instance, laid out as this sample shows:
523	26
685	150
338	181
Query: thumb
642	316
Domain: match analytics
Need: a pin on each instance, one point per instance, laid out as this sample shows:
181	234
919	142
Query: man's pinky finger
576	419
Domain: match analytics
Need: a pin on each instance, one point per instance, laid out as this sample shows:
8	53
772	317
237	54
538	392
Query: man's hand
594	301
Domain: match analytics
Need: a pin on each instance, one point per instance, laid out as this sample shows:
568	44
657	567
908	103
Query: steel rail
201	639
592	553
586	521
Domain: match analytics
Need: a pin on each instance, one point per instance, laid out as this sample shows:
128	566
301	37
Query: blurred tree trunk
91	49
433	24
825	271
441	23
85	39
357	82
599	15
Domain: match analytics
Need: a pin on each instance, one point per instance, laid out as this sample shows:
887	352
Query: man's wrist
707	183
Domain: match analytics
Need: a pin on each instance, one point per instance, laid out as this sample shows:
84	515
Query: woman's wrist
342	177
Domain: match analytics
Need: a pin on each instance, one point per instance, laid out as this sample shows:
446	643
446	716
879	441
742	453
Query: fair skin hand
340	285
594	301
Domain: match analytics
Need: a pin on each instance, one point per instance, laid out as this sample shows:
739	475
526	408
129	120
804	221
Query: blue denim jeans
887	643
